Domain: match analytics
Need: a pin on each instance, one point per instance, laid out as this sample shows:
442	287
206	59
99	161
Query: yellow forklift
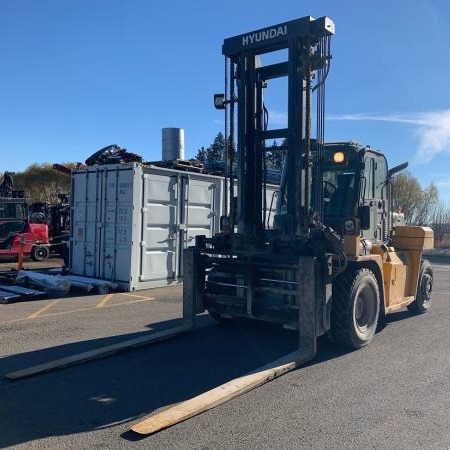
331	260
324	257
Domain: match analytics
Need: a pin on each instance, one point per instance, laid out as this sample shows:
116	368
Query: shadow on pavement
125	387
392	318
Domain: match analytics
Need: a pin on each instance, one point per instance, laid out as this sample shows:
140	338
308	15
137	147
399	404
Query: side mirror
364	216
397	169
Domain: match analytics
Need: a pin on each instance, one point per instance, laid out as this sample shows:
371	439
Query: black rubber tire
40	253
422	302
355	308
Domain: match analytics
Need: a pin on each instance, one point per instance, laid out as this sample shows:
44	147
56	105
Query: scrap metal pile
112	154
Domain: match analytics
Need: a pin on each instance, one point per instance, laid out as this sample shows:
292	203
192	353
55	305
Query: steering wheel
328	189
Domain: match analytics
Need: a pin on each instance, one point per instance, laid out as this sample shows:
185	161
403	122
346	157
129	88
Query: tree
440	222
413	201
215	152
201	154
424	209
42	183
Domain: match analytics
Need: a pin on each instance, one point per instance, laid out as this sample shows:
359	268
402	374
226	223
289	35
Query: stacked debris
191	165
27	284
10	293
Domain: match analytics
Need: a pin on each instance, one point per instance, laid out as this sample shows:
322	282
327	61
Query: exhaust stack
172	144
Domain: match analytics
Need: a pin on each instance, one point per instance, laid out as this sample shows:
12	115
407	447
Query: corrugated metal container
130	223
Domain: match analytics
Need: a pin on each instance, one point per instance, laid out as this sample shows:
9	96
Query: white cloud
432	129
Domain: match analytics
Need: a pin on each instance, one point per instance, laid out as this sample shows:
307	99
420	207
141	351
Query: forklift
331	262
328	261
19	237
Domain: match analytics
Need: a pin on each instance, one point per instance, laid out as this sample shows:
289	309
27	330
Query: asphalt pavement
394	393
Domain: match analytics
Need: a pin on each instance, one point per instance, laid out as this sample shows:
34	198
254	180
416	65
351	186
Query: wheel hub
365	309
427	286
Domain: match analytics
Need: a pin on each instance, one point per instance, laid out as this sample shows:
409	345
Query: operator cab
13	218
355	190
354	195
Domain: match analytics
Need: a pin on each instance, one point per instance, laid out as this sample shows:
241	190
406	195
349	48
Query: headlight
349	225
339	157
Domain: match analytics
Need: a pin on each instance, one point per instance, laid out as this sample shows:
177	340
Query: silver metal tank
172	144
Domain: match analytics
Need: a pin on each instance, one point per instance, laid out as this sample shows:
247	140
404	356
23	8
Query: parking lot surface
394	393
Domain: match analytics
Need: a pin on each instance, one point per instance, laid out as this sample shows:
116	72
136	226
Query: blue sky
78	75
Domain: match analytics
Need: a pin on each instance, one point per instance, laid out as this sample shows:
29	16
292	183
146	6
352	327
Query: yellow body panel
413	238
352	245
394	279
399	264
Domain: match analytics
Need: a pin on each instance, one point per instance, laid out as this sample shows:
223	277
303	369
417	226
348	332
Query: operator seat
342	196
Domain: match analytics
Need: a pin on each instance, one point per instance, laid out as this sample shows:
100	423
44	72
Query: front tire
355	309
422	302
40	253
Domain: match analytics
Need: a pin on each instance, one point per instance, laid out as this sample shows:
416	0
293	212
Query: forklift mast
282	272
307	42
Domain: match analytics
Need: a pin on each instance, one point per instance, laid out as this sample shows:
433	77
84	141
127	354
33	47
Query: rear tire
40	253
422	302
355	308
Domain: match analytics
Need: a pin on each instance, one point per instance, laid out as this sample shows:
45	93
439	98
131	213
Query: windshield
340	182
339	192
12	211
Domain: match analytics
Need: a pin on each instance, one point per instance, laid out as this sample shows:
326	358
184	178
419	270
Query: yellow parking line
95	307
135	295
77	310
40	311
104	300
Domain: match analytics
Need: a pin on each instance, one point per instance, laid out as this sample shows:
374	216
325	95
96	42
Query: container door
159	228
183	202
117	224
202	211
86	222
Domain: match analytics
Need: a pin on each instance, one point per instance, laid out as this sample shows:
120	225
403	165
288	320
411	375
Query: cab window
380	178
369	169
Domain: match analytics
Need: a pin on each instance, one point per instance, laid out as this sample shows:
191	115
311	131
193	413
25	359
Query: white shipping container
130	223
